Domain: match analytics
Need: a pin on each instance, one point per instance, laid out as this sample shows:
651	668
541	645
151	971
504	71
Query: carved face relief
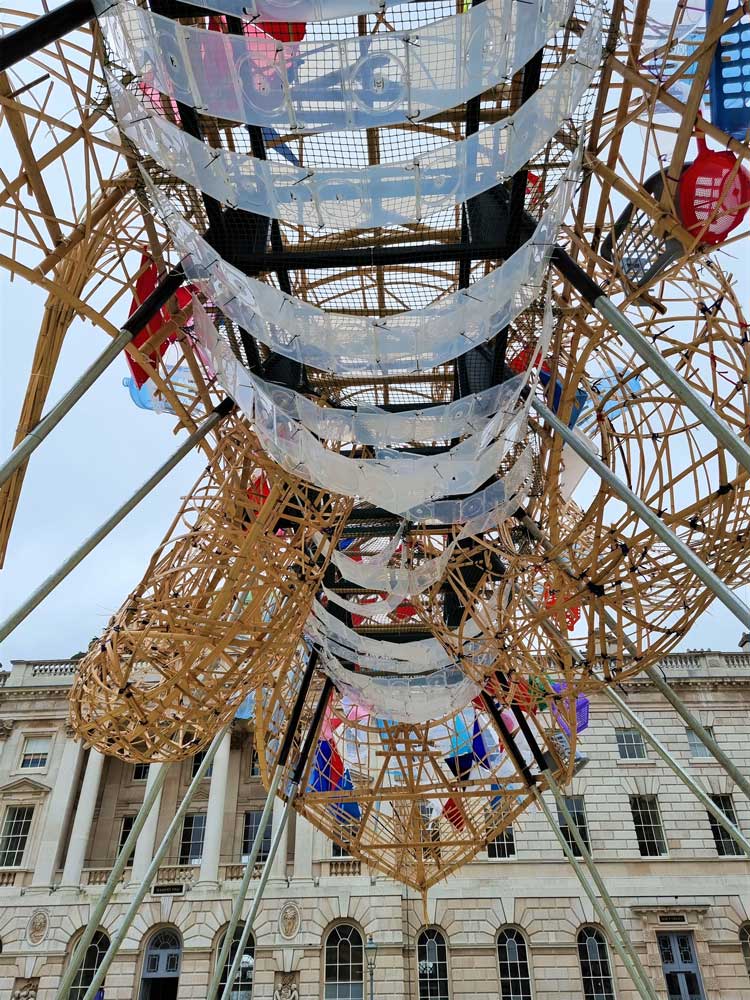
289	920
36	931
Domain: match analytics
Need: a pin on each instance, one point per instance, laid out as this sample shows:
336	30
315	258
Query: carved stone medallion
289	921
38	926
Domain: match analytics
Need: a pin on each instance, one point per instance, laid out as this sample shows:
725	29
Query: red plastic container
705	192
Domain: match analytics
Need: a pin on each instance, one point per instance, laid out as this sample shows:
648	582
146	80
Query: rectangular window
250	828
337	851
254	764
15	835
680	965
577	811
125	828
503	846
140	772
697	747
725	846
197	761
630	744
193	832
35	752
648	828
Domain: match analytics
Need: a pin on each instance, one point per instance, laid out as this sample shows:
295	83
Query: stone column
303	848
79	836
59	805
278	868
217	794
144	846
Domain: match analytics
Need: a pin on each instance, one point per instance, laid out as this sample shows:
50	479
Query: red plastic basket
705	193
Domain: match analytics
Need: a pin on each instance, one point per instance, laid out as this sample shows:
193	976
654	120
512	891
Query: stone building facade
513	925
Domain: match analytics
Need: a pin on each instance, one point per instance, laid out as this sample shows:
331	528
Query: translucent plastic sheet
386	78
392	480
369	424
404	699
298	10
386	194
405	342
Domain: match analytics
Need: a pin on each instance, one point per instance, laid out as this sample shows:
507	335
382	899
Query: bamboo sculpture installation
232	580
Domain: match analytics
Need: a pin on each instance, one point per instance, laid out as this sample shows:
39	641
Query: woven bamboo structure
233	579
419	806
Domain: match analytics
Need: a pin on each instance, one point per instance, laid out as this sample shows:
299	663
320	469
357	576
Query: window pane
15	835
697	747
91	962
594	960
252	822
254	764
745	945
127	826
630	744
140	772
647	823
35	752
337	851
503	846
725	846
515	978
577	811
432	965
196	763
243	984
344	964
193	832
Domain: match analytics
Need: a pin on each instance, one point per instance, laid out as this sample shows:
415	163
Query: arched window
91	962
595	970
344	964
161	966
432	965
513	956
243	984
745	944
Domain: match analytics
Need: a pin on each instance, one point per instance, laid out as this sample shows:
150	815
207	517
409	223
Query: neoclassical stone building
513	925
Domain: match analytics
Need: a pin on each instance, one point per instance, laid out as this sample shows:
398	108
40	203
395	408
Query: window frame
527	987
10	808
193	859
720	835
27	737
195	762
625	744
696	747
240	990
135	777
443	982
123	836
584	831
745	946
331	988
654	799
246	842
79	986
508	837
590	978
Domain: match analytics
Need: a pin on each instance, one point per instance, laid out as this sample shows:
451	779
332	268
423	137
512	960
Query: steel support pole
49	421
651	672
112	882
312	735
265	818
46	588
634	502
596	298
622	945
680	771
40	32
127	919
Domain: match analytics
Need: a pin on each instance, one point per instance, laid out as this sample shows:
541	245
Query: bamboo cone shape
223	599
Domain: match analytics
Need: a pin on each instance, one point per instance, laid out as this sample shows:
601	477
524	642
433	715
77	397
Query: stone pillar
59	805
278	868
144	846
215	814
79	835
303	848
